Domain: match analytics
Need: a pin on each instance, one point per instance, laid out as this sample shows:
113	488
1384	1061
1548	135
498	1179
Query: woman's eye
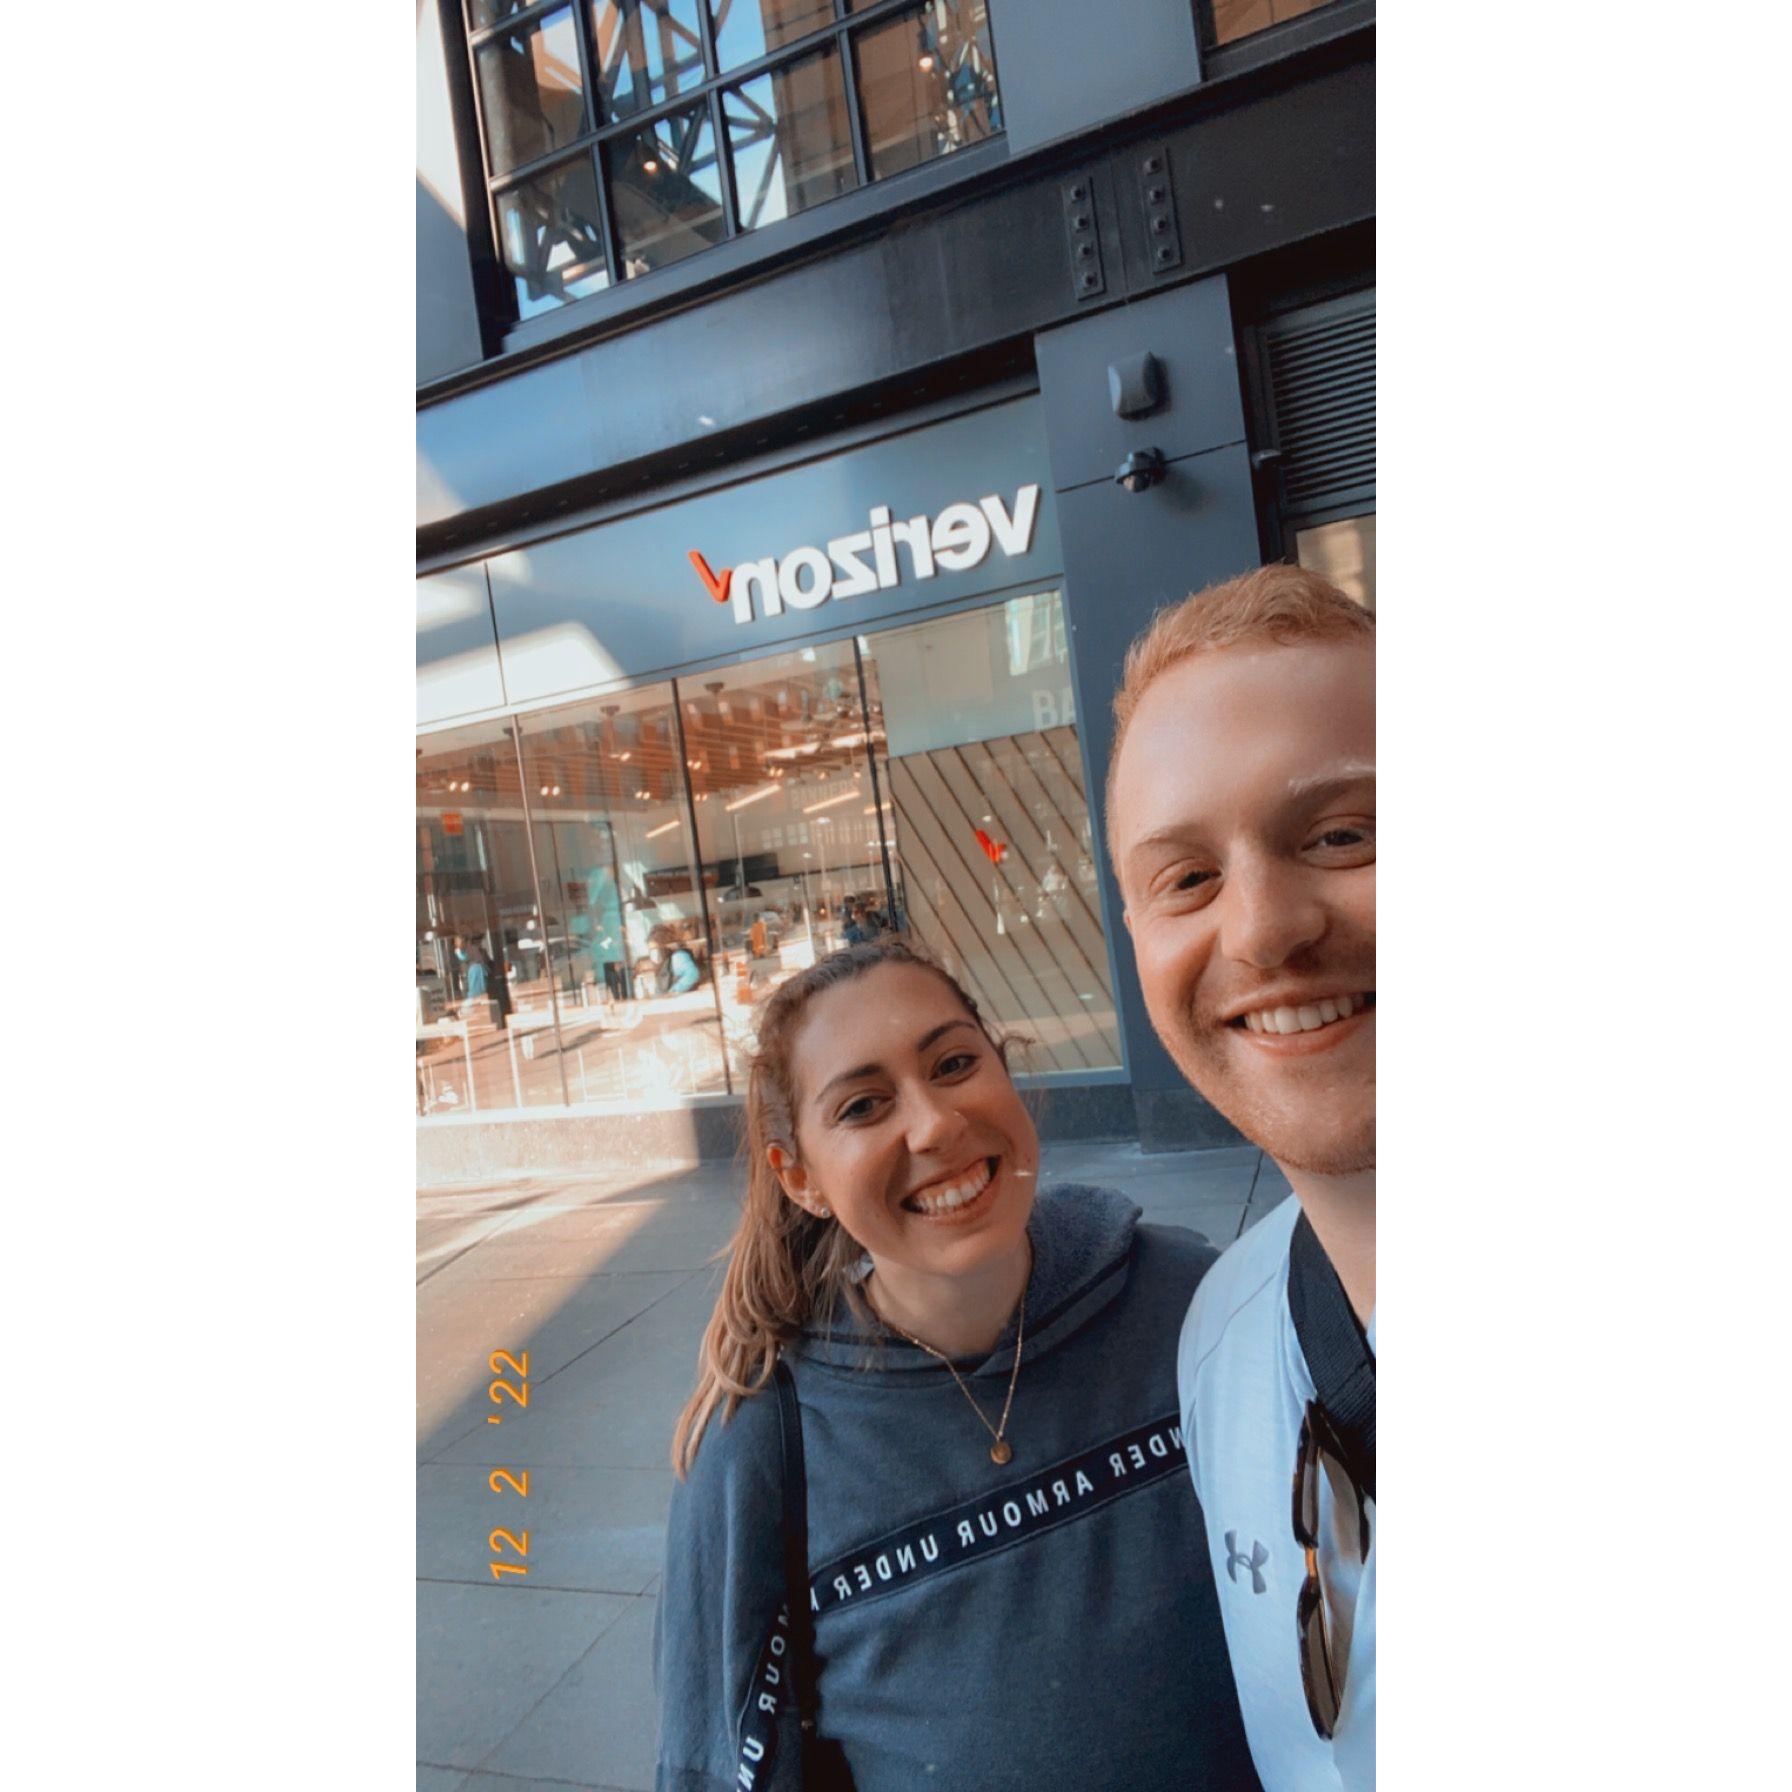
860	1108
957	1061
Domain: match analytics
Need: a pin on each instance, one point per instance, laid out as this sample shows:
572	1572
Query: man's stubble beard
1271	1129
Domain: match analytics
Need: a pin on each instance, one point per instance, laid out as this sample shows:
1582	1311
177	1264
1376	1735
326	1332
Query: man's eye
1350	837
1192	880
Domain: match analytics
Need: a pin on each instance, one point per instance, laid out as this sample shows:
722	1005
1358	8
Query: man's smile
1304	1013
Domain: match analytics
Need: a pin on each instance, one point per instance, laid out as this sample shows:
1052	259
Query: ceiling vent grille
1322	384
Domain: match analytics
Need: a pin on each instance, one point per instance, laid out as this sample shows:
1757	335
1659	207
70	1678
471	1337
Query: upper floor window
1226	21
623	135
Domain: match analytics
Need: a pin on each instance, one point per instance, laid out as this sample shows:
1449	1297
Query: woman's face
908	1126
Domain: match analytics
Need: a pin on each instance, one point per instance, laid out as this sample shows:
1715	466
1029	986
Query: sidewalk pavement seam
542	1586
473	1430
520	1779
549	1693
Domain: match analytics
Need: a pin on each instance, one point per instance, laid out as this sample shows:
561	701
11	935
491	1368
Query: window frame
840	32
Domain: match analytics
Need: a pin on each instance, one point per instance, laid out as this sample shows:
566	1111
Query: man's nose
1271	913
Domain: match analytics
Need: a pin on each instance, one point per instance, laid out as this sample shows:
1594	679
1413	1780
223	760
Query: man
1241	819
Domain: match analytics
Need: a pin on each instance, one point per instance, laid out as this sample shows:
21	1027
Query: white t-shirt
1243	1388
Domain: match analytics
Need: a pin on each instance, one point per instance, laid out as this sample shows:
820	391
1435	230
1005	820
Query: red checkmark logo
716	584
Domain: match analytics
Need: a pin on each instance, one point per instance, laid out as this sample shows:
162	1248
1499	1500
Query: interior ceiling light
665	827
833	802
752	797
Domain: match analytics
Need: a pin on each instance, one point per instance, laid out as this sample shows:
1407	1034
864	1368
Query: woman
1008	1583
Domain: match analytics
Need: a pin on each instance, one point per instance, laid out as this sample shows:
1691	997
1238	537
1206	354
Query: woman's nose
934	1122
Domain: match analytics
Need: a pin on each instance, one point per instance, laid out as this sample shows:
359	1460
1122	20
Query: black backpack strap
796	1550
1338	1354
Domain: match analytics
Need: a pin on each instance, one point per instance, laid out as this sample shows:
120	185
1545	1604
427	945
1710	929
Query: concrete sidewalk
545	1680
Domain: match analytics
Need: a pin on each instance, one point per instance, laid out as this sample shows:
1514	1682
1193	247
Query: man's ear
1126	916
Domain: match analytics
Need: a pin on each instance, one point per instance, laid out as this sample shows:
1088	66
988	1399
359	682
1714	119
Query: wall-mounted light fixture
1141	470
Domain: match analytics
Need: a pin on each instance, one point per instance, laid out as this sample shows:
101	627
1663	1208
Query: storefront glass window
481	987
790	139
994	858
927	83
623	938
1345	553
785	818
531	89
576	944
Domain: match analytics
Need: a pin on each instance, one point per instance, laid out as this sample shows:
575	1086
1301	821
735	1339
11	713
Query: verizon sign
874	558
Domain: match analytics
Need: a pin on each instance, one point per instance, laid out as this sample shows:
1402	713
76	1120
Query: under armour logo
1236	1559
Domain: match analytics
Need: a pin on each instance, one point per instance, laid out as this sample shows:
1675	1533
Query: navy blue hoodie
1047	1623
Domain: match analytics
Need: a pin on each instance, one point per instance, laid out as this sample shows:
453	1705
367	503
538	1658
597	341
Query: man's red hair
1275	605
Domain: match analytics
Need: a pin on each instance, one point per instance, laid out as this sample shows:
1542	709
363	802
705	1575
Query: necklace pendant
1001	1451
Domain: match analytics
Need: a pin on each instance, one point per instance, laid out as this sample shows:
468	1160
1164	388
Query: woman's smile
960	1197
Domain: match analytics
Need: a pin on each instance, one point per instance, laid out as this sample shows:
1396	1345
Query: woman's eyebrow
864	1070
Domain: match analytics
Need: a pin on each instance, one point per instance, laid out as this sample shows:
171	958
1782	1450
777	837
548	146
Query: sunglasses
1323	1684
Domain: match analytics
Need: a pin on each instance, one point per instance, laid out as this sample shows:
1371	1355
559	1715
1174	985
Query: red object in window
997	850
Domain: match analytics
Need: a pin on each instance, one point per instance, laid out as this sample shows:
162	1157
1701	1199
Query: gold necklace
1001	1451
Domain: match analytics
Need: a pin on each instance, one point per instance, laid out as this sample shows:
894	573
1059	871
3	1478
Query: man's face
1244	821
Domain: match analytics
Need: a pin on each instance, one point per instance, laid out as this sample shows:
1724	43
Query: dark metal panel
1189	330
1263	172
1066	66
1127	554
624	600
457	651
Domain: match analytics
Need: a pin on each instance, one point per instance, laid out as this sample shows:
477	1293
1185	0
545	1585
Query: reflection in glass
647	51
1345	553
927	84
551	237
531	90
623	933
995	859
665	190
749	29
791	847
1233	19
790	139
481	988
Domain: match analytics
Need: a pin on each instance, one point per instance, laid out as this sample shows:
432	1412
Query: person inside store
853	931
931	1525
1241	818
674	965
474	963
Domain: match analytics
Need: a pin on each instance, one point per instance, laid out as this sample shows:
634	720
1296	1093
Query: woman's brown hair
785	1266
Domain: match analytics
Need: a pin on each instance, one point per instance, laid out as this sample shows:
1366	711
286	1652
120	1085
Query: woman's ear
794	1180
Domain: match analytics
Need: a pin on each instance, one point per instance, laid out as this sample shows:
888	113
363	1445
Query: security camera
1141	469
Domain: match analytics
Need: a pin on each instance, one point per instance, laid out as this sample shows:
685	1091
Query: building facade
815	397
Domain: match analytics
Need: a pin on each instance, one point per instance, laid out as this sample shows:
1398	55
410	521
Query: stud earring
823	1211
